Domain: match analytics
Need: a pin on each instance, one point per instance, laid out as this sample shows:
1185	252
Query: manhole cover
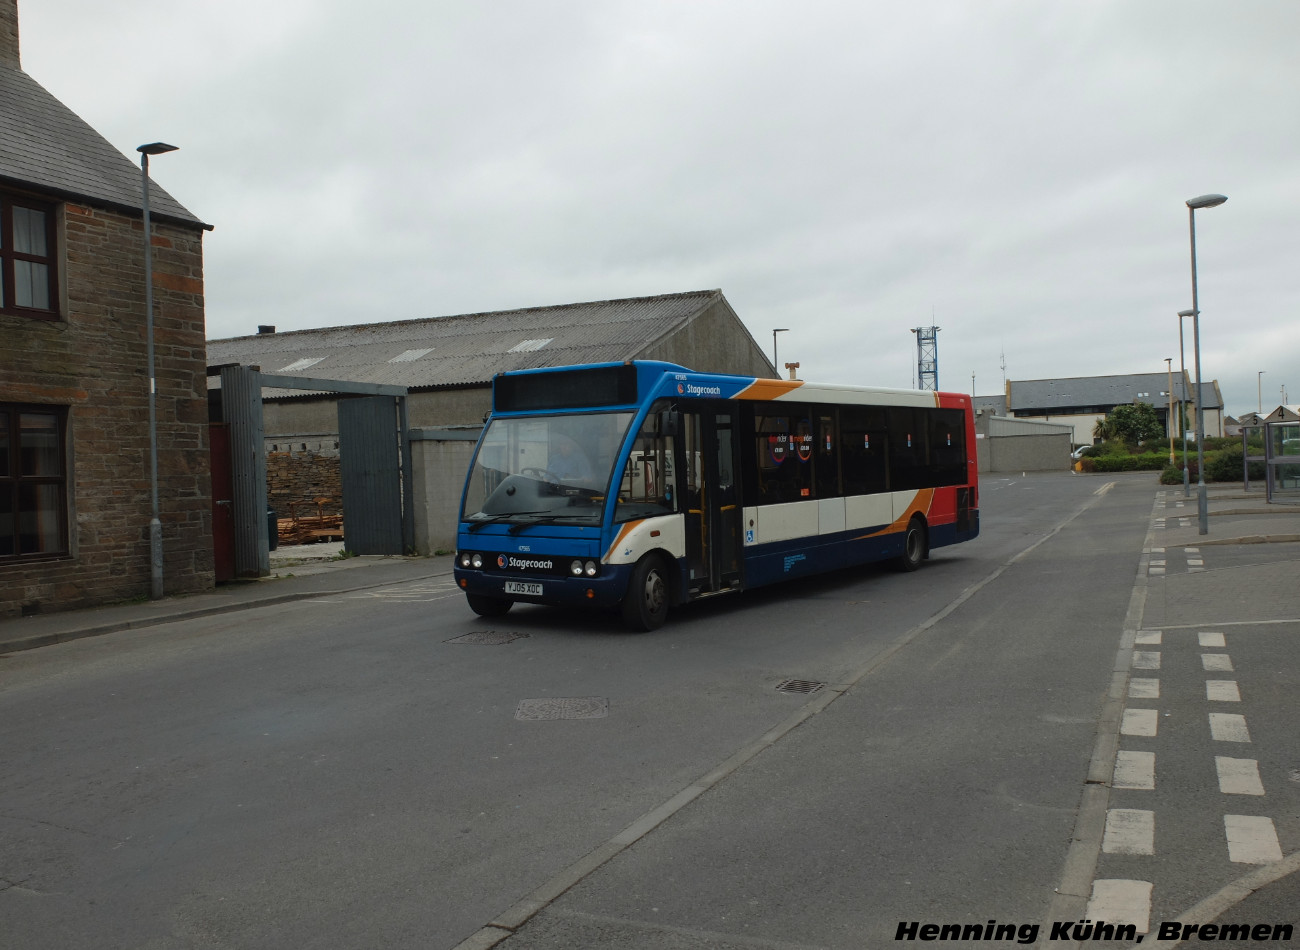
582	707
799	686
492	637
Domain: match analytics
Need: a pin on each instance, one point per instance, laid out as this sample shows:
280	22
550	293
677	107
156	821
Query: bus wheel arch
649	594
916	544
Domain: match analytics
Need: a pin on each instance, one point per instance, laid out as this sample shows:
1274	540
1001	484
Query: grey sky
1013	172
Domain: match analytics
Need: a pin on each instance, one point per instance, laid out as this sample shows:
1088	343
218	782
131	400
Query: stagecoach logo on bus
690	389
506	562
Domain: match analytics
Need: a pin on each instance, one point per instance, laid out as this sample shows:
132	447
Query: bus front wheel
645	605
488	606
914	545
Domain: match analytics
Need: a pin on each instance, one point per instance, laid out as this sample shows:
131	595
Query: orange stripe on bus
920	505
769	388
627	529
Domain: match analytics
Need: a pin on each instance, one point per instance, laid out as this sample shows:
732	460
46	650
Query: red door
223	493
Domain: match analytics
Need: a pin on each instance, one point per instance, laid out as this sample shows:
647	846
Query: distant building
74	435
1083	400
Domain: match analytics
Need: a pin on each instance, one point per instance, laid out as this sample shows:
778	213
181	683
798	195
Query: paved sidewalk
296	574
1234	516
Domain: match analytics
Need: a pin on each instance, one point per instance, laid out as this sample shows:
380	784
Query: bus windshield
554	469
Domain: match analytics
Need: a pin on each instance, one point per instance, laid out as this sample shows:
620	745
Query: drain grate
799	686
491	637
582	707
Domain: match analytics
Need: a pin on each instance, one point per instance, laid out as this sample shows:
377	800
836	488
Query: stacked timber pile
308	526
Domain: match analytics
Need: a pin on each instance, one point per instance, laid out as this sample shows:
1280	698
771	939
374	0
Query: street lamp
1182	365
155	523
1169	419
1259	391
1202	503
774	362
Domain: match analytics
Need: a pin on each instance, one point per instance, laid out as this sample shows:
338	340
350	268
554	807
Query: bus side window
863	450
649	483
827	456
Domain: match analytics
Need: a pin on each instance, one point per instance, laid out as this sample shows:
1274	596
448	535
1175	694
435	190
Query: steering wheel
543	474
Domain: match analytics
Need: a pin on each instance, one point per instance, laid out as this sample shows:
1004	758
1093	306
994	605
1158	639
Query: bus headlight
591	568
464	559
576	568
476	561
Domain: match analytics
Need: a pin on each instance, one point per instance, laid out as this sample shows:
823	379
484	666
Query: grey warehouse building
446	364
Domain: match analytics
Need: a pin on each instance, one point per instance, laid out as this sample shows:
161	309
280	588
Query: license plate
515	587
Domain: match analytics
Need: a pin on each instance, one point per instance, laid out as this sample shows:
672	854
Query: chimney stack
265	328
9	34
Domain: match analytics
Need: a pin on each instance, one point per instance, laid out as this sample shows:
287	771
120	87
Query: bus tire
915	545
488	606
645	605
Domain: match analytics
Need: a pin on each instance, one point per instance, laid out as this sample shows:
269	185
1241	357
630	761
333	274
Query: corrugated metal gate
370	465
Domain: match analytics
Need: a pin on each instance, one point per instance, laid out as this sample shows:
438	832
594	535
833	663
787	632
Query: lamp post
774	362
1182	365
1169	428
155	523
1259	392
1202	503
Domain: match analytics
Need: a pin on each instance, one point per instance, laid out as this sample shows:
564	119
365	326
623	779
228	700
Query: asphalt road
340	773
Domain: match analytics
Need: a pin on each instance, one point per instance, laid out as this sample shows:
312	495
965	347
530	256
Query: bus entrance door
713	514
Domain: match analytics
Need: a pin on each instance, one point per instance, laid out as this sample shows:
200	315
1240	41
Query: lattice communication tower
927	357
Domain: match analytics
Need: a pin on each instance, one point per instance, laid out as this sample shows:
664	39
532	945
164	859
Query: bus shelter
1282	461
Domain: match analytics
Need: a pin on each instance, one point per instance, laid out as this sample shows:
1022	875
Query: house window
33	482
28	276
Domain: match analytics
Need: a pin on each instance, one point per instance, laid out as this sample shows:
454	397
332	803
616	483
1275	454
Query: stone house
75	488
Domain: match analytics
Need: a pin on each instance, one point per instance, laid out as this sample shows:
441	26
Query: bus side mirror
669	419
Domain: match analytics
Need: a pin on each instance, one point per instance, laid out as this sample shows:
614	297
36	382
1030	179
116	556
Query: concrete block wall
440	460
93	362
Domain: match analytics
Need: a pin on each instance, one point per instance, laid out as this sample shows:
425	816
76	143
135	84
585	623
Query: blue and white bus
643	485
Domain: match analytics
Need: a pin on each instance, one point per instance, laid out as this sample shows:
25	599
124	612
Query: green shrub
1149	462
1226	466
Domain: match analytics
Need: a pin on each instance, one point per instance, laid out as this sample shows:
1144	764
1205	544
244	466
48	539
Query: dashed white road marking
1129	831
1222	691
1251	840
1210	639
1135	770
1146	660
1191	550
1139	722
1147	638
1121	902
1143	688
1228	727
1238	776
1216	662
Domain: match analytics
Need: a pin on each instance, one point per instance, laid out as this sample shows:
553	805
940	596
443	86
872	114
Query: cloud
1013	172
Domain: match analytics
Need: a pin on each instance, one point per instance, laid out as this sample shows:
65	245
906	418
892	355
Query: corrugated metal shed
465	350
47	147
1000	426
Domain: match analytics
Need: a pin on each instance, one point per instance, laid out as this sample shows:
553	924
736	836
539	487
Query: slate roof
47	147
1102	392
469	349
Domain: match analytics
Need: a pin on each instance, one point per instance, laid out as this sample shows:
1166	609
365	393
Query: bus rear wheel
645	605
488	606
915	544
